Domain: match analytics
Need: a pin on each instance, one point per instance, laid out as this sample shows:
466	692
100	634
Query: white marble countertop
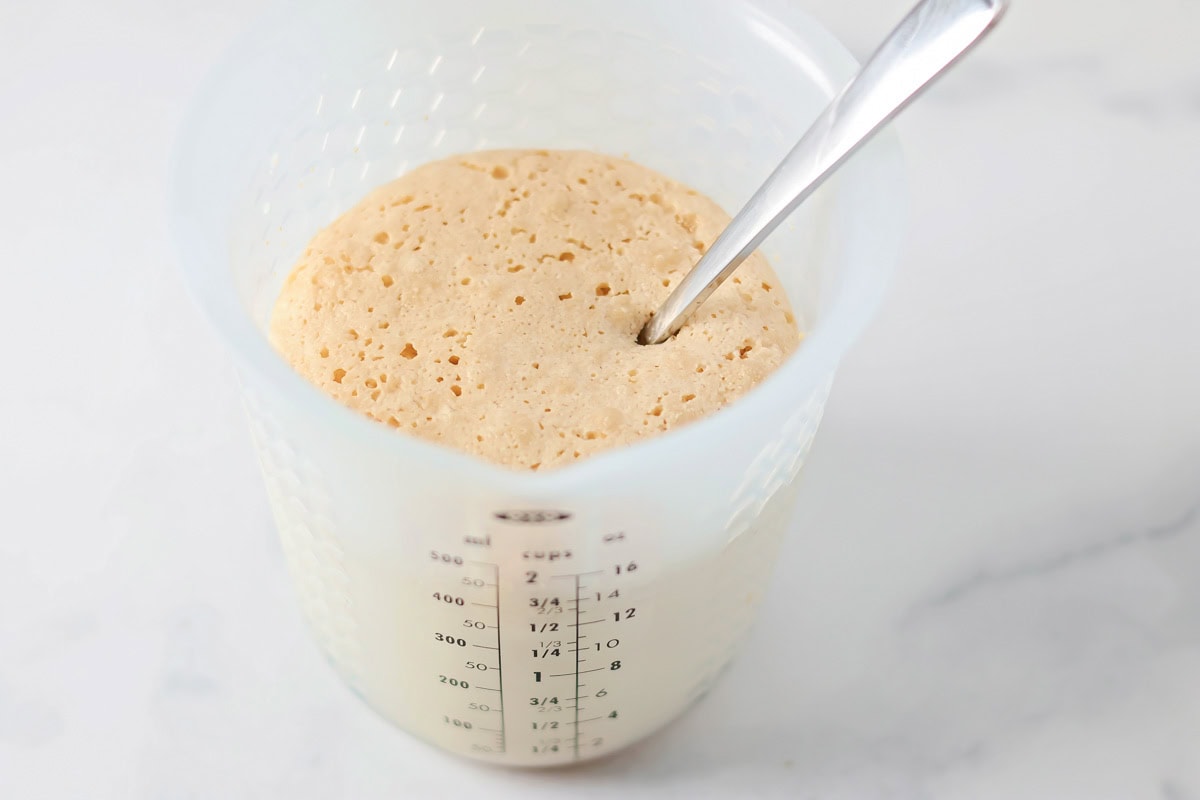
993	588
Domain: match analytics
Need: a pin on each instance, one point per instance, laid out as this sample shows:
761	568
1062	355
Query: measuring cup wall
472	605
529	629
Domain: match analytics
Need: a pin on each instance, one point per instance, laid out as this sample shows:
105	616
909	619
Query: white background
993	587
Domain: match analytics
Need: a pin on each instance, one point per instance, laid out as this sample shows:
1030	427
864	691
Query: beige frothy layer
490	302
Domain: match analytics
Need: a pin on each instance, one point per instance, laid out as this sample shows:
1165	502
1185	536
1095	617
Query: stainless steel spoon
926	42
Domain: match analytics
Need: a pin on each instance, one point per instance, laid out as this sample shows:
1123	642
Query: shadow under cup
316	106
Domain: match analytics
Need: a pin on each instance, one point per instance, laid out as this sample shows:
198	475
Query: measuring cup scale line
500	744
542	653
575	605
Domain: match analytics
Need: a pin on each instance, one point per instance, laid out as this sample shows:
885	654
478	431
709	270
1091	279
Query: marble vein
990	578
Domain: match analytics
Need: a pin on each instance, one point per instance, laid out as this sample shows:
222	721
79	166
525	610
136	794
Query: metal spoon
923	45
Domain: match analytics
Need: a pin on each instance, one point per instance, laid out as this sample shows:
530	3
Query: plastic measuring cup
526	618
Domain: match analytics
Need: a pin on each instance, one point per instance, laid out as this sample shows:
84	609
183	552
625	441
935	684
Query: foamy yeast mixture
491	302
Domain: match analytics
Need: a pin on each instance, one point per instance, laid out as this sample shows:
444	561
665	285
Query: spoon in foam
929	40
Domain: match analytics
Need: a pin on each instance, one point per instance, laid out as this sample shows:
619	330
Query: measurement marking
589	719
577	666
486	647
485	605
561	675
487	688
589	622
490	730
597	669
578	574
499	664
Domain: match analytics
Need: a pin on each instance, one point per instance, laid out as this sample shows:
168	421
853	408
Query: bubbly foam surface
491	302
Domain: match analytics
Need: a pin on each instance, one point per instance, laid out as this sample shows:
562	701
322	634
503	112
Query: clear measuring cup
525	618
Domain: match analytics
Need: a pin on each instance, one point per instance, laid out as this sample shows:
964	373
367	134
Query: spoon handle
926	42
